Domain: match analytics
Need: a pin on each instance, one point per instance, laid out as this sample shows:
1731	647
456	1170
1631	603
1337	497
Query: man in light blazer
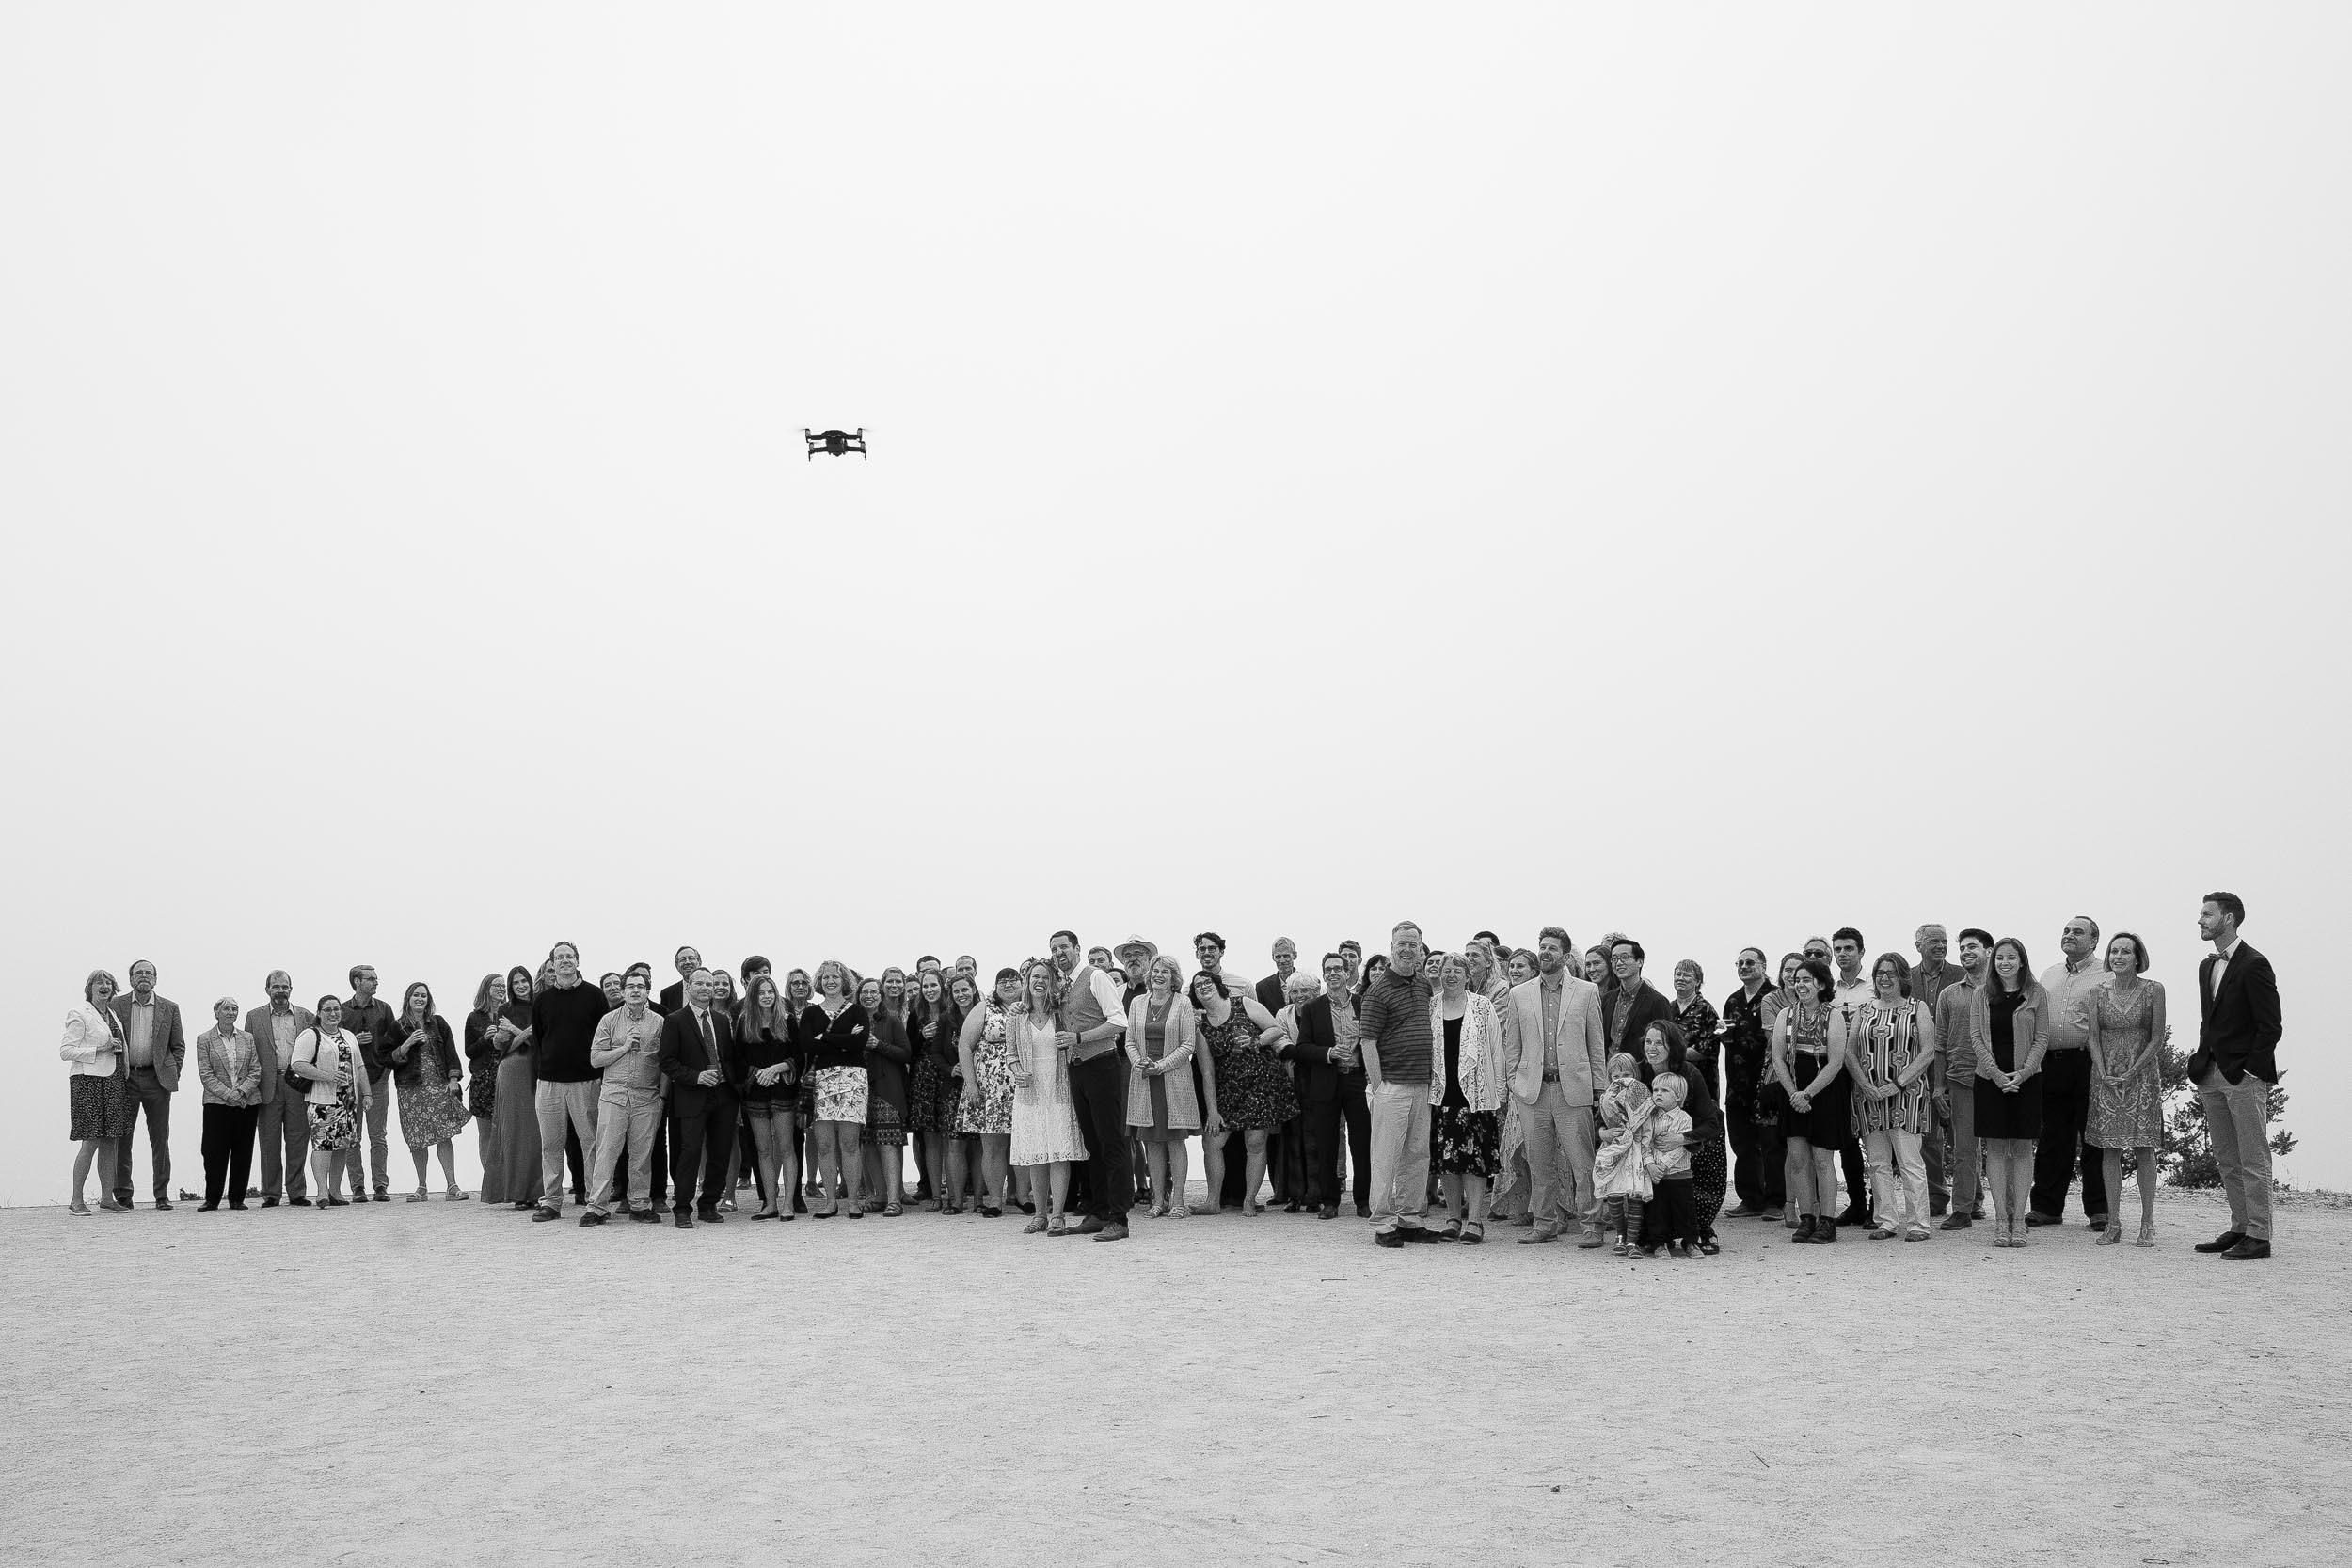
1553	1051
2235	1068
284	1127
150	1025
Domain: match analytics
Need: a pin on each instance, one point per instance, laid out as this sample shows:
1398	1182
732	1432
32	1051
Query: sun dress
433	1092
936	1083
334	1128
1253	1086
2126	1112
992	1065
1881	1047
1045	1122
1462	1141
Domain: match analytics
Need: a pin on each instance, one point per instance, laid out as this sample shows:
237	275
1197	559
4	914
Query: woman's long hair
481	994
409	995
519	998
774	1020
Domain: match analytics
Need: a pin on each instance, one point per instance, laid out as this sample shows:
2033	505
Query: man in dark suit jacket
1627	1011
2234	1069
284	1128
674	997
152	1025
700	1059
1316	1055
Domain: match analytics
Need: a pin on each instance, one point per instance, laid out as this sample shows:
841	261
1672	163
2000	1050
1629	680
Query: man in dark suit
2234	1069
1315	1056
1292	1188
1627	1011
151	1025
699	1058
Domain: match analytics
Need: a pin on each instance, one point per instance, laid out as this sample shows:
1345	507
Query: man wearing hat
1134	958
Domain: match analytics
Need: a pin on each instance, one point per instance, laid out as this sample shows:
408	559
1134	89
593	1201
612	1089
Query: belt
1552	1077
1083	1054
2084	1046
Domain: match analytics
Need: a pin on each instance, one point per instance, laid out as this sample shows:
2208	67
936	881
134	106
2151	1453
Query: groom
2235	1070
1094	1016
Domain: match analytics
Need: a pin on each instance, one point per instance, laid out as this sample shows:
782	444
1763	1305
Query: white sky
1719	474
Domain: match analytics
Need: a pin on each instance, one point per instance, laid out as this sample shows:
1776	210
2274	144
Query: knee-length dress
1461	1140
1824	1123
1882	1046
2000	1115
1045	1120
1253	1086
432	1091
2126	1112
991	1067
98	1107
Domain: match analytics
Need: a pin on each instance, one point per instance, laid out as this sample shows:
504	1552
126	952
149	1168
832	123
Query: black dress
1461	1140
1823	1125
1999	1114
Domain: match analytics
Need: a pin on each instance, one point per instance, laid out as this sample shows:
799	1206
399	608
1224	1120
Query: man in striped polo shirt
1398	1054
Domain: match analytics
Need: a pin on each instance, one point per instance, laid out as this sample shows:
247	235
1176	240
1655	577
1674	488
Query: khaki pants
1400	1155
556	1105
1560	1147
626	1120
2237	1118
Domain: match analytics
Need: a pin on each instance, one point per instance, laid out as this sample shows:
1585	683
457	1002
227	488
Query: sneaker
1884	1233
1745	1212
1774	1213
1590	1240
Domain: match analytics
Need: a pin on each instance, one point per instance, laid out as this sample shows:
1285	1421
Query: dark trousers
1671	1213
1759	1174
1326	1156
2065	1112
228	1149
1098	1090
704	1138
148	1095
658	1170
1358	1114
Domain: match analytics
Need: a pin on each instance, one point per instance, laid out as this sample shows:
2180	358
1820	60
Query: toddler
1620	1177
1669	1166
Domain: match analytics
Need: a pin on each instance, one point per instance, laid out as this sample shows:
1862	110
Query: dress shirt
1109	994
374	1019
1929	980
1552	990
229	1067
1959	1047
2071	992
281	1032
2222	963
142	1032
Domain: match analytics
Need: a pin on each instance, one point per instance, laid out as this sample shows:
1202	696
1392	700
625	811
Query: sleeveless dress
992	1064
1044	1121
2127	1113
1253	1086
1824	1126
1886	1040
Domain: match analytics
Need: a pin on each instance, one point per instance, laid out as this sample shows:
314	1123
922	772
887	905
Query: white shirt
2221	963
1109	994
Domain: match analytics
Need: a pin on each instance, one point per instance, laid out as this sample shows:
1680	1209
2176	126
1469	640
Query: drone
839	443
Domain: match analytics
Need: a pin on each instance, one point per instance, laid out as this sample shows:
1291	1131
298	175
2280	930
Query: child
1619	1176
1669	1166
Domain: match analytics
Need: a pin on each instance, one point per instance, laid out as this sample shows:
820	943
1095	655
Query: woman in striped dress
1891	1044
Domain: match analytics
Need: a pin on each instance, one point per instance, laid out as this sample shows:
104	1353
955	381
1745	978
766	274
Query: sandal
1473	1232
1055	1227
420	1196
2110	1234
1452	1231
1037	1223
1709	1245
989	1213
1179	1212
2147	1234
457	1194
78	1207
892	1210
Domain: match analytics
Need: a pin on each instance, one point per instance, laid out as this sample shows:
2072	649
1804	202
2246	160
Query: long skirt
517	1112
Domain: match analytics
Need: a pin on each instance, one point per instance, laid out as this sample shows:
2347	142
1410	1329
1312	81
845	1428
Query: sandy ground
437	1383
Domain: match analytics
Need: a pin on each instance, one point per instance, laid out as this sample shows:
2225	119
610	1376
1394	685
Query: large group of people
1547	1088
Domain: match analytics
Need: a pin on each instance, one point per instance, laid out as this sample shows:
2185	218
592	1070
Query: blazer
265	1043
1650	1006
2237	1032
1270	993
171	1046
1583	1041
1311	1050
673	997
229	1067
89	1044
685	1059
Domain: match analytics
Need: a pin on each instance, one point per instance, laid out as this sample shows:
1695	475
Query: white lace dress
1045	1122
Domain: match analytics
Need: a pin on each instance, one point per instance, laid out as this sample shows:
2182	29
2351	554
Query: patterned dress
2126	1112
1045	1120
1881	1046
433	1095
1253	1086
992	1065
334	1128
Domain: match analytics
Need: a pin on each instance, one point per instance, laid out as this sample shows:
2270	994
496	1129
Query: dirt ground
456	1385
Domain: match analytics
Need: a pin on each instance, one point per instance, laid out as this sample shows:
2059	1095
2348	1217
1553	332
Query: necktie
710	1043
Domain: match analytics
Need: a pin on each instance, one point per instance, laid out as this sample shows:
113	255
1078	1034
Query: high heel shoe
2147	1234
2112	1235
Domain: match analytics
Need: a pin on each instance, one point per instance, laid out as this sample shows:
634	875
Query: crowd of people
1543	1087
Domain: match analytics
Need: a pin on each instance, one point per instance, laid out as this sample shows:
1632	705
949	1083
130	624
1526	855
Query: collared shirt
374	1019
142	1031
2222	963
1110	995
1952	1036
639	1040
281	1034
1746	1037
1929	980
1396	1021
1345	1029
1553	988
2071	990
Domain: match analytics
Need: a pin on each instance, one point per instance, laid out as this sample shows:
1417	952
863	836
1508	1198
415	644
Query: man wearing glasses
1758	1152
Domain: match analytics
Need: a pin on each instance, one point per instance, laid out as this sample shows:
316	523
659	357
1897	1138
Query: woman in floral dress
985	1108
327	1059
431	1081
1247	1084
2127	1016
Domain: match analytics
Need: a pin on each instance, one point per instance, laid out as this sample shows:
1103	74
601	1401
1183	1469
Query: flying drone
839	443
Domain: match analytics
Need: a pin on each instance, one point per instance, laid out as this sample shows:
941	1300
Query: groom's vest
1081	1012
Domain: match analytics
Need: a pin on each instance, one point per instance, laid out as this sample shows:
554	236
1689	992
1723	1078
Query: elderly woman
1248	1083
482	1052
230	1068
1891	1043
97	1098
1698	1019
985	1108
2008	1027
1161	1106
1466	1095
834	1033
1809	1065
432	1079
2126	1018
326	1058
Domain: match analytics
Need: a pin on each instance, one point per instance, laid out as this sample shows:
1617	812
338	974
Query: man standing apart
1557	1055
368	1019
1958	1051
697	1056
564	1020
151	1025
1093	1019
2066	1084
1398	1067
627	1050
285	1111
2235	1067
